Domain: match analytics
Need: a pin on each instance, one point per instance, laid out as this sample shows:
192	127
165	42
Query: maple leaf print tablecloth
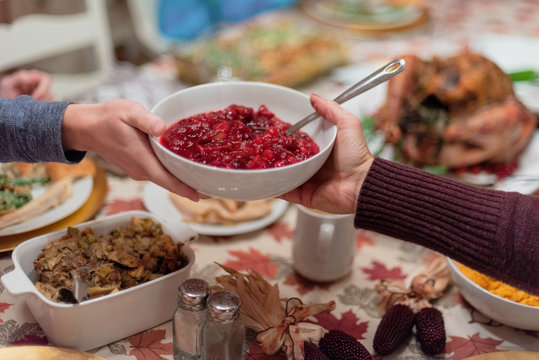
268	251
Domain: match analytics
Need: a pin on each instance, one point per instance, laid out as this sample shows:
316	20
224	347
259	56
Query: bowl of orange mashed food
499	288
495	299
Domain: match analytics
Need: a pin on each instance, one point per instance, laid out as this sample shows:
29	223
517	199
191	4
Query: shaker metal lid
224	305
194	292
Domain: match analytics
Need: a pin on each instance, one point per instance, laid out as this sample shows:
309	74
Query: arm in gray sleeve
31	131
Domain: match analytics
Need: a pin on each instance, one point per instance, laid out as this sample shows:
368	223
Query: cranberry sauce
238	138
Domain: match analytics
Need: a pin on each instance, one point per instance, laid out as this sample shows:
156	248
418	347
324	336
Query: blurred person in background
34	83
491	231
33	128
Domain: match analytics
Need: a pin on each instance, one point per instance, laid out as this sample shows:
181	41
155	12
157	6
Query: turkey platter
456	112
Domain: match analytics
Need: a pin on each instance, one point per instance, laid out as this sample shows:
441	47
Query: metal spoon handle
381	75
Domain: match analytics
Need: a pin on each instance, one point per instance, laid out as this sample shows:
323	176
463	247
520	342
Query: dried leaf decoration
429	284
278	322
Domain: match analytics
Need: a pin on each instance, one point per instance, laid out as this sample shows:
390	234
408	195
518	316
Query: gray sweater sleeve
30	131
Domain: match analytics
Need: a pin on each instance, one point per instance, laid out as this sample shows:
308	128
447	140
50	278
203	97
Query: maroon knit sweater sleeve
494	232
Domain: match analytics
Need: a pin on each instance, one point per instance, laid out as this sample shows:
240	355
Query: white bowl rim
17	267
485	291
156	141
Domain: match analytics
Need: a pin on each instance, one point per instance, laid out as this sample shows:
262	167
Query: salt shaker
223	335
189	318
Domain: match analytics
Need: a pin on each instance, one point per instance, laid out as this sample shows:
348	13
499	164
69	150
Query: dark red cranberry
238	137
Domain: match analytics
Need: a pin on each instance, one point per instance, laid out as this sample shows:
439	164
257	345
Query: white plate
156	200
512	53
525	179
82	188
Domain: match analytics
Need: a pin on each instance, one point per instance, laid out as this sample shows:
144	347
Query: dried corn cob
394	328
312	352
338	345
430	330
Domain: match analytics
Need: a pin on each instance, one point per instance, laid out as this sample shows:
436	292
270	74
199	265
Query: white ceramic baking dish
103	320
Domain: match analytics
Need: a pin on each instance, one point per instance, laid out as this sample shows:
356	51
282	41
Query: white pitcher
324	244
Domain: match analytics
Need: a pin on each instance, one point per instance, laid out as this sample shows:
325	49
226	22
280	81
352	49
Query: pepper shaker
189	318
224	333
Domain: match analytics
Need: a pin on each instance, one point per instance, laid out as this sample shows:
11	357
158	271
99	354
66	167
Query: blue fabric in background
183	19
236	10
186	19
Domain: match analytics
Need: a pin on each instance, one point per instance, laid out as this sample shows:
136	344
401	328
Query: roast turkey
459	111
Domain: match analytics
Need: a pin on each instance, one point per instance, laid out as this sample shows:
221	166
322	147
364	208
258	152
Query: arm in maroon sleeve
494	232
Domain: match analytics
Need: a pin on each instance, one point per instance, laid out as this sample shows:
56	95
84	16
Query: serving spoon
80	289
381	75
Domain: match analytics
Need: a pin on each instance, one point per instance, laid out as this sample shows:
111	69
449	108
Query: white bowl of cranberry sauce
232	141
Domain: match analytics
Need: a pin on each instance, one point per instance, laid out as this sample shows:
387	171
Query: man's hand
118	131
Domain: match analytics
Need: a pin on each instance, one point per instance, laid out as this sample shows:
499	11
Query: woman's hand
35	83
117	130
335	188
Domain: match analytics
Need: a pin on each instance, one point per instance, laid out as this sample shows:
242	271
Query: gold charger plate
366	28
506	355
90	207
31	352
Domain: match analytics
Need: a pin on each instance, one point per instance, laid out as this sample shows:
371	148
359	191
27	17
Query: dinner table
497	27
